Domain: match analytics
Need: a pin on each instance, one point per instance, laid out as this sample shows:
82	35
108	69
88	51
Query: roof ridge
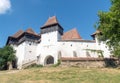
71	35
30	30
18	33
50	21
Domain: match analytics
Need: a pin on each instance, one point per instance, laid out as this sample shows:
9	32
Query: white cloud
5	6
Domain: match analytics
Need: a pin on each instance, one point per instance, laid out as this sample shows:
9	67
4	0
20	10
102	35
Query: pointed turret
50	25
50	21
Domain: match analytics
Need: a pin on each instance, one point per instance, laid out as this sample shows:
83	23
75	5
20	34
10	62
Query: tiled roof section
17	34
51	21
20	32
30	31
71	35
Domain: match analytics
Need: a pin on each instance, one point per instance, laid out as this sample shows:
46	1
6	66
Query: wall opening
49	60
74	54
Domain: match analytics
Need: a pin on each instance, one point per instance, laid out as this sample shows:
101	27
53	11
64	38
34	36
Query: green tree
109	25
7	55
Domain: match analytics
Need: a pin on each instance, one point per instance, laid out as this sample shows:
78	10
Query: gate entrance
49	60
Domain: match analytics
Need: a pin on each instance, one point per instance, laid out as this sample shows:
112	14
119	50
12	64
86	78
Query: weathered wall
89	62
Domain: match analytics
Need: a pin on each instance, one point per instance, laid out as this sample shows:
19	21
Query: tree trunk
9	66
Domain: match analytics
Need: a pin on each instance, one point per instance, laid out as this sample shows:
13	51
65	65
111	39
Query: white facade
51	47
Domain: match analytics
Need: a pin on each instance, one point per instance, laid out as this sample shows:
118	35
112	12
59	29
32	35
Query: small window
74	54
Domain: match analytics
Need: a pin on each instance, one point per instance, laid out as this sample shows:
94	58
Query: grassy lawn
61	75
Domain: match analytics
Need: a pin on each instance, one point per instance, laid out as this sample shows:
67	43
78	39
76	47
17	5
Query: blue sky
22	14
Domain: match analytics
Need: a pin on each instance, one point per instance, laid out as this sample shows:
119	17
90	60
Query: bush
7	55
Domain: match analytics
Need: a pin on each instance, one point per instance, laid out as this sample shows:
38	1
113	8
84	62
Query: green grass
61	75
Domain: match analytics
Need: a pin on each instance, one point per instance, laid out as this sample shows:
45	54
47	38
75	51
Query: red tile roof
30	31
51	21
20	32
17	34
71	35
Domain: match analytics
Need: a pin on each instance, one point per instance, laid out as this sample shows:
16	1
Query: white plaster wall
30	52
101	45
49	38
20	52
67	48
48	46
105	49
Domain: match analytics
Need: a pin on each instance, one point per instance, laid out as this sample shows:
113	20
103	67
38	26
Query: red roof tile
20	32
71	35
17	34
30	31
51	21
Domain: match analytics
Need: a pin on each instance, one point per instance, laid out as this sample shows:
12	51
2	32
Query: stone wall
89	62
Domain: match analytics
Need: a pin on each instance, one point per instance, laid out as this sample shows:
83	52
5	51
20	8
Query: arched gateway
49	60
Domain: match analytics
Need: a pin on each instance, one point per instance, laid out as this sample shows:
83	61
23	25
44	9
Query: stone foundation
89	62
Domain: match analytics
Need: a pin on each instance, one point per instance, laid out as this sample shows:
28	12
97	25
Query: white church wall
48	47
105	49
44	51
68	49
20	52
49	38
30	52
101	45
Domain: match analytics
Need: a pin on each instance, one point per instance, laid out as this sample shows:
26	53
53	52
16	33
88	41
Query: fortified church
52	44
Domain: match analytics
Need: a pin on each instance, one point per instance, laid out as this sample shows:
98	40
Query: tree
109	25
7	55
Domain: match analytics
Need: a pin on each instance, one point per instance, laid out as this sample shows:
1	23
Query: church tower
51	31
